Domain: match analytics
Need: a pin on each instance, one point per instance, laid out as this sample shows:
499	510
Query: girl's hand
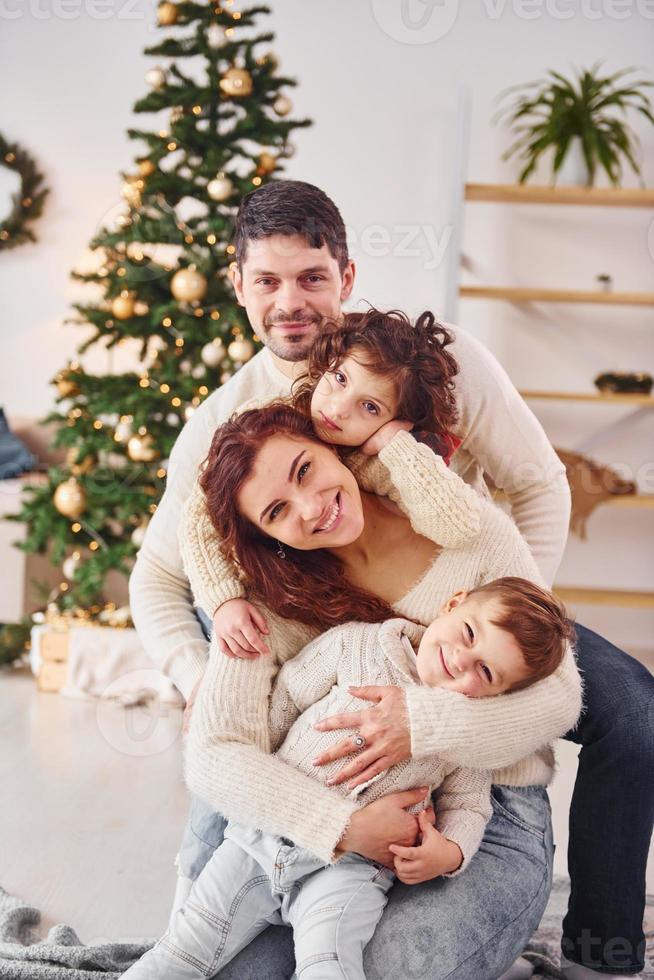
372	829
383	436
385	728
237	626
435	855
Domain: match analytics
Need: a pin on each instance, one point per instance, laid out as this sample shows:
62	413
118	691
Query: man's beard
292	347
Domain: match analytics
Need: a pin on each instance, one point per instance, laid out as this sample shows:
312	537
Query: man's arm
499	430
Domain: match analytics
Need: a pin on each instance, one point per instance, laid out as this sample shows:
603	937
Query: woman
317	551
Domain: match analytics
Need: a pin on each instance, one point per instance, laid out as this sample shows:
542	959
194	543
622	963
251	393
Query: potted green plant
582	118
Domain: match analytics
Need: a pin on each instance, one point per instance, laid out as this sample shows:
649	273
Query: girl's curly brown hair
412	355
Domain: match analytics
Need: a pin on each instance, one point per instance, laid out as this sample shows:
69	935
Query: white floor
95	806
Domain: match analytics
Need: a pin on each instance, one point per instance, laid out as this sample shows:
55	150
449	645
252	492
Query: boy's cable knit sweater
228	760
314	685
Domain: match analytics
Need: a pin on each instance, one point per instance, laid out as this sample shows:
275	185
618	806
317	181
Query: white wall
382	145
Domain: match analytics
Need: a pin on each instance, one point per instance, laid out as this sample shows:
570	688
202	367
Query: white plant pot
573	172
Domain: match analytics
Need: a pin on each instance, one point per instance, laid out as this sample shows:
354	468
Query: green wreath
27	204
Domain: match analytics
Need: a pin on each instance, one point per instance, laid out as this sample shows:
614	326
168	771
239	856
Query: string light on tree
123	431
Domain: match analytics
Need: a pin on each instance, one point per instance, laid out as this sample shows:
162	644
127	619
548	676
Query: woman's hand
373	829
385	728
435	855
383	436
237	629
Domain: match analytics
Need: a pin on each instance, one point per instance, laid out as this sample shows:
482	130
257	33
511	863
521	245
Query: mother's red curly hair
307	586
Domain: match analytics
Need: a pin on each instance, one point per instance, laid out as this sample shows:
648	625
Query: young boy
499	637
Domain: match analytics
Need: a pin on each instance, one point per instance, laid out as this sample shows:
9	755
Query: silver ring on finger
360	741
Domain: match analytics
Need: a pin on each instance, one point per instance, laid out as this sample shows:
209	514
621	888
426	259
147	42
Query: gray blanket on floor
61	955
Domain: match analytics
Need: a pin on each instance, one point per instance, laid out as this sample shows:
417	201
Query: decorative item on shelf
122	307
579	121
167	13
282	105
70	498
240	349
212	354
141	449
155	78
220	188
266	163
624	382
146	167
605	282
236	83
27	203
590	484
188	285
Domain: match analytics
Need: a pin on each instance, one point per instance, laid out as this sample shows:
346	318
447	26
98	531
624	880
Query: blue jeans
254	880
470	927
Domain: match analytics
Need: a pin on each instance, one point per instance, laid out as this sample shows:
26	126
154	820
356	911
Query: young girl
362	373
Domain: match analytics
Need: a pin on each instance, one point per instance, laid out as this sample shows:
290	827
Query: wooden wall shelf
623	197
606	597
514	294
572	396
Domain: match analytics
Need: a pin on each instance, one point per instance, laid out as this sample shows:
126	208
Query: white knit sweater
228	761
314	685
500	436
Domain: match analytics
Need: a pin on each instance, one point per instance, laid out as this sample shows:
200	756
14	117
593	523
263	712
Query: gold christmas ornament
141	308
220	188
122	307
267	163
240	350
70	498
282	105
155	77
146	167
212	353
188	285
141	449
67	388
167	14
236	82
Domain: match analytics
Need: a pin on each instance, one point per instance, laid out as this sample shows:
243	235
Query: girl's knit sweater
227	759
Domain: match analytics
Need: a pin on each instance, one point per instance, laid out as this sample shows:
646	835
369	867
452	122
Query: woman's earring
280	550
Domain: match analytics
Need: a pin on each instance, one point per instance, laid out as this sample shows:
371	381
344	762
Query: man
293	270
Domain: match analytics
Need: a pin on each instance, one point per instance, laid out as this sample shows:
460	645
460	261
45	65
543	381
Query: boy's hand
379	439
434	856
237	628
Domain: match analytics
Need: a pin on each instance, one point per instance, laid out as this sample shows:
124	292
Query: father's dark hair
290	207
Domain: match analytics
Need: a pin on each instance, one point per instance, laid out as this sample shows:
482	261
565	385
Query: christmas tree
162	281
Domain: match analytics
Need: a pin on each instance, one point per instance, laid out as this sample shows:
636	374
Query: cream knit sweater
500	436
314	685
228	761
